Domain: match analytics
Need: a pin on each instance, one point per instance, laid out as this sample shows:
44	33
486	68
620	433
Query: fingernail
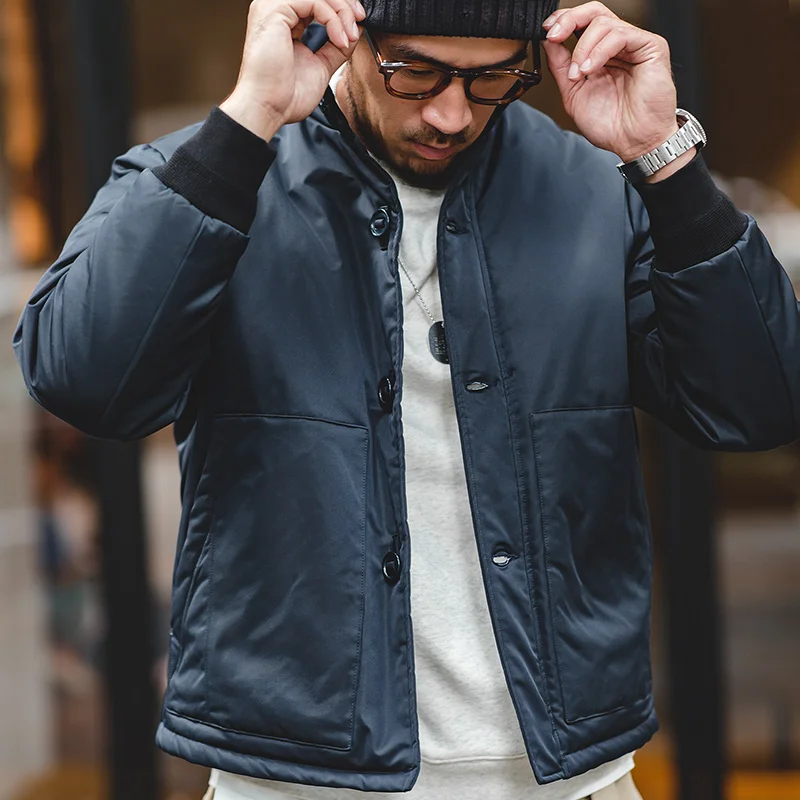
548	22
574	72
555	31
354	30
587	65
362	9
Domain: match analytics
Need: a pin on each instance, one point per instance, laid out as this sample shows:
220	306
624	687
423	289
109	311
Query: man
421	312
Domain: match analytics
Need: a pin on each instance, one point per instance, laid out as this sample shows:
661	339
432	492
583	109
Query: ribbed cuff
220	169
691	220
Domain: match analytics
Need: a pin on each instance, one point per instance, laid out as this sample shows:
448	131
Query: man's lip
433	153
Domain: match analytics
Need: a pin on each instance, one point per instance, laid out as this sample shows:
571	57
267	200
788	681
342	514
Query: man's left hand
617	85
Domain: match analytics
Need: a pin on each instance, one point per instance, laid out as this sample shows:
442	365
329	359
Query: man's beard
435	176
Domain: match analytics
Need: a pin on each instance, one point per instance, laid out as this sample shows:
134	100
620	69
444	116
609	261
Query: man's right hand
281	80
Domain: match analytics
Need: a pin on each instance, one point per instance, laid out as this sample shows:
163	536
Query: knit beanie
496	19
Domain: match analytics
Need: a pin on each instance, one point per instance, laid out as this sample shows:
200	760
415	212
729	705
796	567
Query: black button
392	567
386	392
379	223
452	227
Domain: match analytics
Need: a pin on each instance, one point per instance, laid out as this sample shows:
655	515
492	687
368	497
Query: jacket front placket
491	424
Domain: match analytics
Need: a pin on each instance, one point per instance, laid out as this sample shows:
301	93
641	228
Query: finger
326	15
558	60
554	17
626	44
301	27
358	11
577	19
612	45
598	29
344	16
332	57
346	11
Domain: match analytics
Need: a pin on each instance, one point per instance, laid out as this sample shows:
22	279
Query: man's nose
450	111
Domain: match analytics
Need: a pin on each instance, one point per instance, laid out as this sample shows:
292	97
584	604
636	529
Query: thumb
558	60
333	57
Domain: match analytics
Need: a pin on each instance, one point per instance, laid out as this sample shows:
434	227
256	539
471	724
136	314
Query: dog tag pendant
438	342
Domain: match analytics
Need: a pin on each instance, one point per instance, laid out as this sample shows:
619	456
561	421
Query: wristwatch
691	134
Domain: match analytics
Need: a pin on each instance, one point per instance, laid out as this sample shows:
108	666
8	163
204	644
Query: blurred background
87	528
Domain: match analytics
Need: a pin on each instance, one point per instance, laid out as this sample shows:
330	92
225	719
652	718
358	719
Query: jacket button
392	567
379	223
386	392
452	227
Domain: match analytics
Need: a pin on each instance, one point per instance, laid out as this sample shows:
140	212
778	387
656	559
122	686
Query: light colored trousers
623	789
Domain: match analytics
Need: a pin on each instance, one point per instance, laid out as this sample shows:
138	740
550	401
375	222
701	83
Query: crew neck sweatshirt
470	739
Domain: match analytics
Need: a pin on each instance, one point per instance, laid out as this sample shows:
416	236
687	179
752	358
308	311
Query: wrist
691	220
671	155
253	115
219	170
671	169
643	148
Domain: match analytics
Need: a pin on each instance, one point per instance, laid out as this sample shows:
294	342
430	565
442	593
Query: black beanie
495	19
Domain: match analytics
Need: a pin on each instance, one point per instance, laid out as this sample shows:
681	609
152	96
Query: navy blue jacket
249	295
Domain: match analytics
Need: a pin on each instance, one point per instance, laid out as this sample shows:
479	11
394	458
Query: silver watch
691	134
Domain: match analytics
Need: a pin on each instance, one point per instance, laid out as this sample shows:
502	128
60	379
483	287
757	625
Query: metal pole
129	646
100	30
687	555
688	536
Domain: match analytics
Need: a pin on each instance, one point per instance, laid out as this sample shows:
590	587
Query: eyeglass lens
489	86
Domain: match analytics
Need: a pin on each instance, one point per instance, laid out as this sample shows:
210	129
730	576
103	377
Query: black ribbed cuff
691	220
220	169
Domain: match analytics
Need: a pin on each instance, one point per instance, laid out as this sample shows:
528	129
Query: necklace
437	343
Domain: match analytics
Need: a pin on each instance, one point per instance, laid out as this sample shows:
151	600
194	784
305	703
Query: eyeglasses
419	80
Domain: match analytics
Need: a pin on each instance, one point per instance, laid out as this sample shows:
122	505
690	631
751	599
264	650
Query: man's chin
426	173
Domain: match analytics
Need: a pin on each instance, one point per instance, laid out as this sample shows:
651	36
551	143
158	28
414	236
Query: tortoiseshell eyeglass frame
525	78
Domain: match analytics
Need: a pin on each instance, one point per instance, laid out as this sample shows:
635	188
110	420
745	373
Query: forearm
220	169
691	220
117	327
717	354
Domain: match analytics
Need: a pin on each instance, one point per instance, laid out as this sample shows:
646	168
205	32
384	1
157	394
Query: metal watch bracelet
690	134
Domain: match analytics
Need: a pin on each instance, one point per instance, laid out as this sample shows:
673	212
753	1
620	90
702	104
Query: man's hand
281	80
617	85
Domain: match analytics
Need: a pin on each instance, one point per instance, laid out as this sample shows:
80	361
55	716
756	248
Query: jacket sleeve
118	327
712	318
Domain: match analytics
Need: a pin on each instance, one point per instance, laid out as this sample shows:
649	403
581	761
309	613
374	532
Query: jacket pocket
286	589
598	556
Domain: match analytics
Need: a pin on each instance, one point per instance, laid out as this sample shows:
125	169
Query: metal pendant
438	342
